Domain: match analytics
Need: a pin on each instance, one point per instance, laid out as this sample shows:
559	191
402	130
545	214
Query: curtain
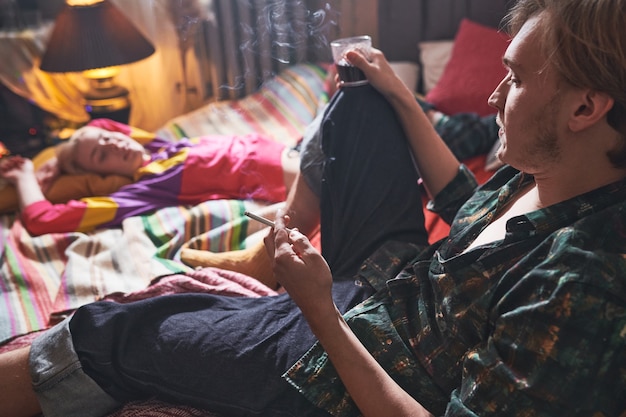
209	50
21	50
206	50
249	41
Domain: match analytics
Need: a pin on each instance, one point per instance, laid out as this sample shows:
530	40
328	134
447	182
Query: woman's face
103	152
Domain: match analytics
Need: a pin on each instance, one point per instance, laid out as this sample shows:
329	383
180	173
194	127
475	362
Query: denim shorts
62	388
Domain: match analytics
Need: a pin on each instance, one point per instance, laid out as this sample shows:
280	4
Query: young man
164	174
521	311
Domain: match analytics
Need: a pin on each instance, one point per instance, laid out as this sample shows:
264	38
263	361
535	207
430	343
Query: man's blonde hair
585	41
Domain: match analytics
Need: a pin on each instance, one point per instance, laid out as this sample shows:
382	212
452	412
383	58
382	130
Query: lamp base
105	99
122	115
114	105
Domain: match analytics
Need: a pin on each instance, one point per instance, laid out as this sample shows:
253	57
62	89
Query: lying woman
164	174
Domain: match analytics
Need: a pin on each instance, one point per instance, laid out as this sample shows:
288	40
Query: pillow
434	56
473	71
408	73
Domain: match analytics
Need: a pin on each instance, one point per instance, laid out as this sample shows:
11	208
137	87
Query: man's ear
593	107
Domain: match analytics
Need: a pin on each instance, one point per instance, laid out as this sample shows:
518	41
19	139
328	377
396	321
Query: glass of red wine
350	75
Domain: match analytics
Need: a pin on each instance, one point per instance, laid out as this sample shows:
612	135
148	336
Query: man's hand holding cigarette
301	270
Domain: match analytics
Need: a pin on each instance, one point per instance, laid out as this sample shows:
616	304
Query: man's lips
501	125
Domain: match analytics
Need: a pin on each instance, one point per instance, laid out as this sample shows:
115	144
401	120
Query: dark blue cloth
224	354
370	191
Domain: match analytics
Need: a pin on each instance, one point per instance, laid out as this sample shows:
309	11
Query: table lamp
94	37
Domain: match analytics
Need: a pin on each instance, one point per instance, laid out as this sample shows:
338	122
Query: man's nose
497	96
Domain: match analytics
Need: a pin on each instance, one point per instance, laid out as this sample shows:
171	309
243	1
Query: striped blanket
281	108
44	278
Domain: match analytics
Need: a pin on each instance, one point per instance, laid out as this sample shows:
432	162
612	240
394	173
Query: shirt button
441	322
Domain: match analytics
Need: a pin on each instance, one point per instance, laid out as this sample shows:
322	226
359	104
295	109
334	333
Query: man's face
529	102
103	152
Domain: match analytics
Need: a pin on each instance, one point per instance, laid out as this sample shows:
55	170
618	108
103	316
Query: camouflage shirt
534	324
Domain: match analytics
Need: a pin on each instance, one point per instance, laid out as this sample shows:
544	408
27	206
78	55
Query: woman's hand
20	172
301	270
16	168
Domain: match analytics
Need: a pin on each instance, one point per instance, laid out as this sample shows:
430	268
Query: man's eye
512	80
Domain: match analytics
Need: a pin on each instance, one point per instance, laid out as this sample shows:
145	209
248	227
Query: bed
45	278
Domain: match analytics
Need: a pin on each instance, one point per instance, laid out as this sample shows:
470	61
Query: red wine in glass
350	75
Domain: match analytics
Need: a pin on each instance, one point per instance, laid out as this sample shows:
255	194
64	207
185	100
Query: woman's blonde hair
585	41
67	155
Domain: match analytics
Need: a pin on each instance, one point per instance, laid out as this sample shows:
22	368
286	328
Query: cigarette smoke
280	33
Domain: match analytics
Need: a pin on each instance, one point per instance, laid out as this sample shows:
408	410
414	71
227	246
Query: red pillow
473	71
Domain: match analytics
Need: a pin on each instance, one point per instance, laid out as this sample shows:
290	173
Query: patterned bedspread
44	278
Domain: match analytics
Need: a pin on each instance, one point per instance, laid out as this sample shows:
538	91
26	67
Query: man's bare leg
17	398
302	206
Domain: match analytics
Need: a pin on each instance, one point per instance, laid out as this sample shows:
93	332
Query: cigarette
261	219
